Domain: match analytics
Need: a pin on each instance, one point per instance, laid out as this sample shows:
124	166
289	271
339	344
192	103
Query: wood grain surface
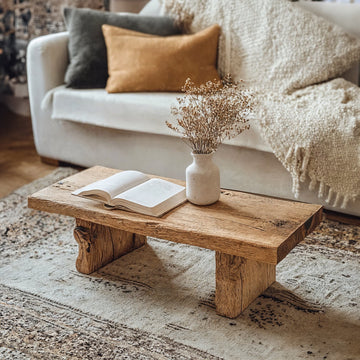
252	226
100	245
239	281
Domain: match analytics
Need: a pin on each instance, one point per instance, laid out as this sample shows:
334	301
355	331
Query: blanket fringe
345	201
304	166
312	184
334	198
330	195
339	200
321	193
297	159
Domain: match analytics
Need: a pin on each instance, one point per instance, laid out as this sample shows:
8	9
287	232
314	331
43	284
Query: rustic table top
256	227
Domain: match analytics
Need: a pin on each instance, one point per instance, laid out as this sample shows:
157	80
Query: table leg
100	245
238	282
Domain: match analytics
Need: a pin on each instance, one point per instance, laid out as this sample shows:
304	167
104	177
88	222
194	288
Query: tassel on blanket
289	155
337	200
312	184
297	158
345	201
304	165
330	194
292	163
321	193
296	187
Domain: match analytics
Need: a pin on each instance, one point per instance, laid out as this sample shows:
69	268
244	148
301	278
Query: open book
134	191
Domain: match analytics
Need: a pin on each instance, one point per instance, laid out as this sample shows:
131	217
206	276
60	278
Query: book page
114	184
150	193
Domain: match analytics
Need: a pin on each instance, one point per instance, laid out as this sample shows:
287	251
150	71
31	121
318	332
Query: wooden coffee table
249	233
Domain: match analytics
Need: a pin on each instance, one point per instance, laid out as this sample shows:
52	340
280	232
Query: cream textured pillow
142	62
273	44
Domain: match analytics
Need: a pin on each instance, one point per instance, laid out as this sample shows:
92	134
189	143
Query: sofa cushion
135	66
87	50
140	112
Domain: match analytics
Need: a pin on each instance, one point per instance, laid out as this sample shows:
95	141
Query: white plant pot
202	180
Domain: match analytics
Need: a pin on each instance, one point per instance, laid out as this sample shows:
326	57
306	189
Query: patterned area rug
158	301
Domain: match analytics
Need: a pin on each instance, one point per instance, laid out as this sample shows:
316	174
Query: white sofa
128	131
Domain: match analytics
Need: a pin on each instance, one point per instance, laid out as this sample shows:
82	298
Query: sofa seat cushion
140	112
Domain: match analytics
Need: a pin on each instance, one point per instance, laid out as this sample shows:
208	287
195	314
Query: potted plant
205	116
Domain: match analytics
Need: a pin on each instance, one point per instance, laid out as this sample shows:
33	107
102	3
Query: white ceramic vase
202	180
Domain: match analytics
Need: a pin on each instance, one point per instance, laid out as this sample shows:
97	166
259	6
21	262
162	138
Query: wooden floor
19	162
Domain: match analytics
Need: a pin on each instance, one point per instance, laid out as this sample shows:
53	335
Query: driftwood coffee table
249	233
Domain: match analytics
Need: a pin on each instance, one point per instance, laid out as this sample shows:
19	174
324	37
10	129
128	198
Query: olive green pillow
87	50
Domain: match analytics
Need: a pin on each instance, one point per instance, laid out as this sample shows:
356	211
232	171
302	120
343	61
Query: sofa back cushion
143	62
87	49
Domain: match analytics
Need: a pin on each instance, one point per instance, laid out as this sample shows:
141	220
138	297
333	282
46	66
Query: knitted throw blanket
288	55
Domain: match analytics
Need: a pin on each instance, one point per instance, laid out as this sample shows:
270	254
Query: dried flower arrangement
212	112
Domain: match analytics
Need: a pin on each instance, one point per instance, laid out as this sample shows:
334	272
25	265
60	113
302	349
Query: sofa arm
47	60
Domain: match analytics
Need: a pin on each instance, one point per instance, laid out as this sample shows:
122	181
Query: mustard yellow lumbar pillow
143	62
